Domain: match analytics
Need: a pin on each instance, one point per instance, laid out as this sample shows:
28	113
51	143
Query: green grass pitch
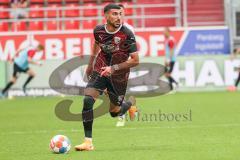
211	133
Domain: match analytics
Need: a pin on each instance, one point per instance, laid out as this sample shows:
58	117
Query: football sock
173	80
170	80
125	107
87	115
238	80
7	87
27	81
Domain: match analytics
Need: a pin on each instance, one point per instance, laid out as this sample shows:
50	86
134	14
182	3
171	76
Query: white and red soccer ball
60	144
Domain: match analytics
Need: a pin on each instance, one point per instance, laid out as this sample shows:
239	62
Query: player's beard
114	24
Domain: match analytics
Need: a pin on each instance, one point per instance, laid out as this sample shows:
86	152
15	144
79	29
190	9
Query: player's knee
88	102
14	80
32	75
114	114
167	74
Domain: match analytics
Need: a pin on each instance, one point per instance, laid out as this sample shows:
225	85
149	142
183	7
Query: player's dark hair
121	5
110	6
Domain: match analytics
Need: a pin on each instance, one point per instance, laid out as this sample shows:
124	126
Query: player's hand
106	71
89	71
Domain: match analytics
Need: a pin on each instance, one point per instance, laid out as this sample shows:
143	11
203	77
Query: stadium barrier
203	61
2	74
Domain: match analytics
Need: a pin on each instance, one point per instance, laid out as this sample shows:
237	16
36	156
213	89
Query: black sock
7	87
238	80
87	115
170	80
124	107
27	81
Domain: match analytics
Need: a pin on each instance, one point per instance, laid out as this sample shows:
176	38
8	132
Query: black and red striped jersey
116	47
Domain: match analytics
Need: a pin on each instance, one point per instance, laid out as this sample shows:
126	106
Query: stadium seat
72	25
71	1
128	9
160	22
37	1
5	1
36	26
205	12
129	21
4	14
36	13
103	21
19	26
54	1
52	25
54	10
162	11
3	26
155	1
90	11
89	24
167	11
102	6
72	10
89	1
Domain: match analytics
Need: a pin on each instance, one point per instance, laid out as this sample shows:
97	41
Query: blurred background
206	32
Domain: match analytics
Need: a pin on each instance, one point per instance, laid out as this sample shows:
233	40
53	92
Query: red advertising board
65	45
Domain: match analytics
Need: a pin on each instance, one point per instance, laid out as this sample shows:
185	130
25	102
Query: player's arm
93	55
131	62
34	62
132	50
96	50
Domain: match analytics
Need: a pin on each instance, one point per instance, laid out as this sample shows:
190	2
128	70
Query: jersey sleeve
95	34
131	40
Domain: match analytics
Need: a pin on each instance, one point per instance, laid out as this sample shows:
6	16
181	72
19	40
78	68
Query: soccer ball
60	144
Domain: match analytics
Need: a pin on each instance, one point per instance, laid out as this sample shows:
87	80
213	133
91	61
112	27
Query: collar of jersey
112	32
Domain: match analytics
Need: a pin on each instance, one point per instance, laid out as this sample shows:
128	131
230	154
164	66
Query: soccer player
21	64
115	50
121	119
170	57
233	56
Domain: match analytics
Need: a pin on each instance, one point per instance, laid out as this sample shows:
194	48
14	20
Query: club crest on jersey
117	40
